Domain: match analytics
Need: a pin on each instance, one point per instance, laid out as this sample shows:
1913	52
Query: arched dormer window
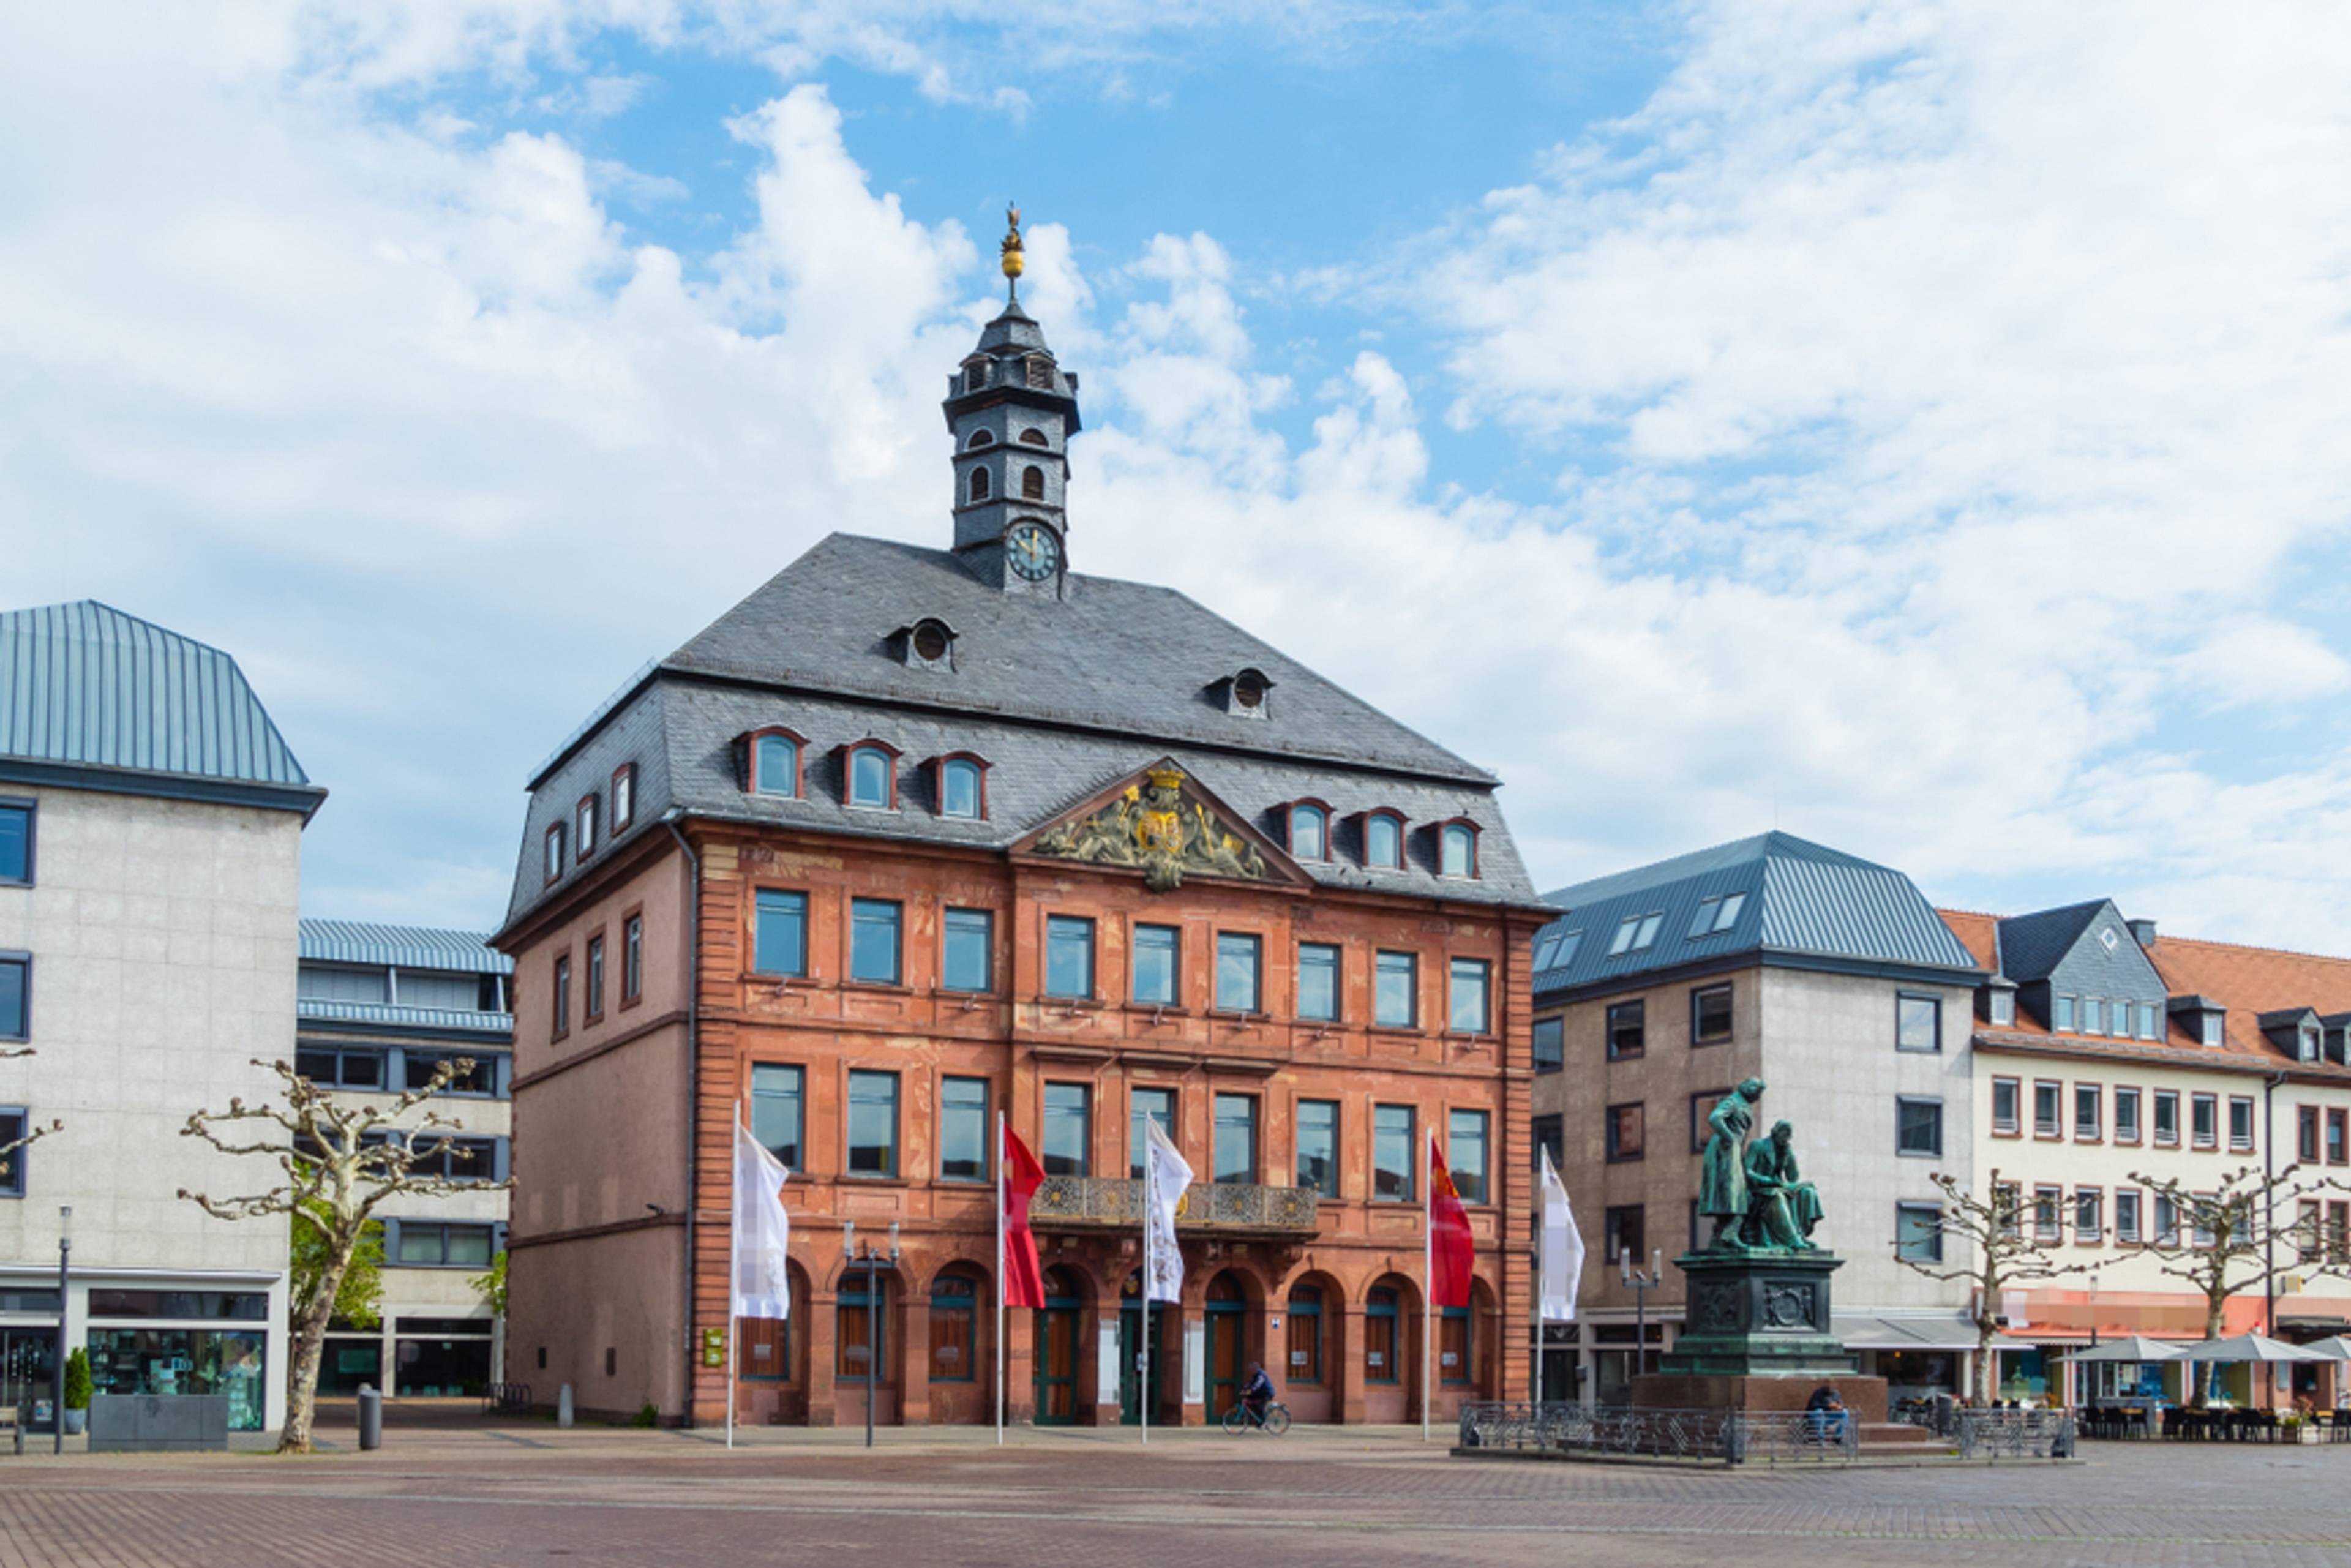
1458	850
979	484
870	770
1310	831
1384	841
962	788
1035	438
776	763
980	438
1032	482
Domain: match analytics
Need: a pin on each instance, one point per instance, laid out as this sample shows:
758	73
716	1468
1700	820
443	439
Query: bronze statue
1753	1192
1722	1180
1782	1208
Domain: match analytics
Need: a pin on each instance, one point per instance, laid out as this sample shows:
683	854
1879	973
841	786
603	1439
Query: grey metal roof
401	946
399	1017
85	686
1059	698
1801	900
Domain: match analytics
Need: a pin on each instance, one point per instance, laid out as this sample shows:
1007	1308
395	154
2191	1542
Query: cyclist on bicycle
1257	1393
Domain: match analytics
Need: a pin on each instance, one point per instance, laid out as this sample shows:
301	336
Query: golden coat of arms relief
1152	826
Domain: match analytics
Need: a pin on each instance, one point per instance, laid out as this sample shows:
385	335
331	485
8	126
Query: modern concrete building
150	833
379	1009
2106	1055
914	836
1829	978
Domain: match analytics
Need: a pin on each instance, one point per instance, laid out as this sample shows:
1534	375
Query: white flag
763	1231
1563	1249
1165	1178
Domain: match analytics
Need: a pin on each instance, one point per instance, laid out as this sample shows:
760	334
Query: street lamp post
65	1278
1641	1284
873	1259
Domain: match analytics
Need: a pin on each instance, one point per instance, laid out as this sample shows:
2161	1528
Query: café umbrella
2249	1347
2131	1349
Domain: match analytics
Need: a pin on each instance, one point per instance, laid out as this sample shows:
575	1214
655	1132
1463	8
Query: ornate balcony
1230	1208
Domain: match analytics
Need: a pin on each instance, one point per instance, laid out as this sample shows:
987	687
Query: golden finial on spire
1011	252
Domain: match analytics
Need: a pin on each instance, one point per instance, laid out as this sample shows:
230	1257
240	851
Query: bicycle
1276	1420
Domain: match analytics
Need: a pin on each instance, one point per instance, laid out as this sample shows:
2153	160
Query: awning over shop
1905	1331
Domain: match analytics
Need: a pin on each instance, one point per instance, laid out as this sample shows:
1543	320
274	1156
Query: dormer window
625	796
980	485
873	774
1310	831
554	851
980	438
1384	842
1035	438
2205	1020
2001	1012
583	818
962	788
1040	372
927	644
1458	850
1242	693
974	375
2310	1040
776	763
2214	1029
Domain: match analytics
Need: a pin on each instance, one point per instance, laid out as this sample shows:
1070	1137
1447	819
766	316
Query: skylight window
1635	933
1716	915
1546	950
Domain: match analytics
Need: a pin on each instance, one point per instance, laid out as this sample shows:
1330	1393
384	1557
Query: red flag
1024	1283
1449	1246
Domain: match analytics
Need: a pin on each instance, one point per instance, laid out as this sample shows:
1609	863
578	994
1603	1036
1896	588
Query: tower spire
1011	250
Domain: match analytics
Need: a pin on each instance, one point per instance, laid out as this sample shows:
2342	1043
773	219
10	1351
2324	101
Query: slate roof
107	700
2030	945
1060	698
1803	902
401	946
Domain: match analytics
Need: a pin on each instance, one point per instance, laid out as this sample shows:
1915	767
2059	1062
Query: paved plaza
468	1492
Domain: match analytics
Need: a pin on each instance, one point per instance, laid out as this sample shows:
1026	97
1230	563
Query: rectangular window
2167	1220
2127	1202
1240	958
481	1078
1628	1029
2089	1216
2127	1115
12	1162
1068	956
1918	1127
595	977
2338	1132
2048	1108
1550	1044
1392	1158
963	1129
1155	960
632	957
2338	1232
1716	915
1069	1129
1635	933
17	842
1550	1137
2240	1123
779	934
2005	1093
1236	1146
1144	1106
1627	1130
562	999
1917	1023
1468	1008
2310	1231
2306	1134
2002	1010
2089	1111
2062	1014
2210	1028
1395	991
1624	1231
2149	1022
873	941
554	851
874	1124
967	950
2008	1207
1710	1015
2205	1120
1701	1106
2094	1014
1465	1153
2048	1213
429	1246
1919	1232
625	796
339	1069
2200	1215
1318	1146
1318	982
2166	1118
776	1109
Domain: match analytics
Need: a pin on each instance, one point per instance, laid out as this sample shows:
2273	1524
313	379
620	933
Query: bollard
563	1406
371	1418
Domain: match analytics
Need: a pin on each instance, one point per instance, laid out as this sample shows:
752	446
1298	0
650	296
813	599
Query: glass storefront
185	1360
345	1363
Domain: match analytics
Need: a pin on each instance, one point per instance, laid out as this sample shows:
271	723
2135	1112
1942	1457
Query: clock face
1034	551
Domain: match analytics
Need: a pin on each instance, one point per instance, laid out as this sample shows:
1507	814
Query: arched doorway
771	1361
1058	1325
865	1345
1391	1321
962	1346
1228	1315
1312	1348
1165	1363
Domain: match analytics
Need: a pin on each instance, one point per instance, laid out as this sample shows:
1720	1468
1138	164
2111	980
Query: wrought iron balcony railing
1065	1202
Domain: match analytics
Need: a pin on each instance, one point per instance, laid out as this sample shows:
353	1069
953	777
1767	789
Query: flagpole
1001	1261
734	1241
1143	1393
1428	1267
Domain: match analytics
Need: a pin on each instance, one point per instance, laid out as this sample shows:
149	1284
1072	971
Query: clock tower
1011	409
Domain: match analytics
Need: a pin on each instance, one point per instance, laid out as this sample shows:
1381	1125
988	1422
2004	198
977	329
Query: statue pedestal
1758	1336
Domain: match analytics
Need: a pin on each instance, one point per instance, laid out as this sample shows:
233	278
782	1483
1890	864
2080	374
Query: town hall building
913	837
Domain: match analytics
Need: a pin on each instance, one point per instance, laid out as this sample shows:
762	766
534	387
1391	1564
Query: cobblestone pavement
513	1493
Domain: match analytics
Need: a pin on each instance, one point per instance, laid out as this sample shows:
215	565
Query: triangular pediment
1166	826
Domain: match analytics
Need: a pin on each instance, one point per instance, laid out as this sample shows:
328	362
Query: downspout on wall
670	819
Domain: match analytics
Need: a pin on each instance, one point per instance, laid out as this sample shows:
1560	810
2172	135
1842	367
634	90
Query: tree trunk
309	1346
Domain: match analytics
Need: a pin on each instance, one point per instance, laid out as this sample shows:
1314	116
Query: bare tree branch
1992	1229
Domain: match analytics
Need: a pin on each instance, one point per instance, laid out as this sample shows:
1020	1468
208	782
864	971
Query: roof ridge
2162	939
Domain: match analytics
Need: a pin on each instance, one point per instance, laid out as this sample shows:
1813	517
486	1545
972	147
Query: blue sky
1915	426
